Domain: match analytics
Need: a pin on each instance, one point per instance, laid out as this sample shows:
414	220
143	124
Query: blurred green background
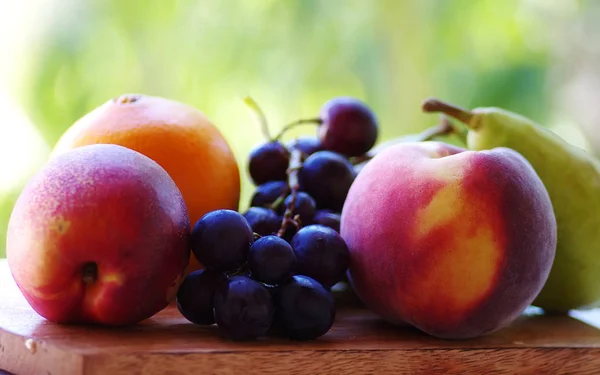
63	58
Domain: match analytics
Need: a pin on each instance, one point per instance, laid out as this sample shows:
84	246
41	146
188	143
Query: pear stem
436	105
293	169
291	125
260	115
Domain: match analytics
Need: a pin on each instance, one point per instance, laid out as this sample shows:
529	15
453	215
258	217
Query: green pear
572	178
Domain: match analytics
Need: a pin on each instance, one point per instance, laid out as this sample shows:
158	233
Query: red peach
99	235
457	243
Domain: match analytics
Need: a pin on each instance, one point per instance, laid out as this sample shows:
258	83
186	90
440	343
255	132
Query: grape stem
445	127
292	172
260	116
460	131
278	201
292	125
362	158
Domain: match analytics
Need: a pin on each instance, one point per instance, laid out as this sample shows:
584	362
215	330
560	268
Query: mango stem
435	105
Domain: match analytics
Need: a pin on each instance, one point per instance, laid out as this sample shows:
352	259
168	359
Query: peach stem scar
90	273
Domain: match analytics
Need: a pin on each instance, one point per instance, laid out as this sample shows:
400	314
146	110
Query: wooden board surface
359	343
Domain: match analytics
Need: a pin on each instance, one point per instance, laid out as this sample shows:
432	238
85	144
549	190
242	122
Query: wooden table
359	343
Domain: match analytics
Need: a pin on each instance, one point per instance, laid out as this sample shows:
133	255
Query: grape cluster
347	130
271	269
252	284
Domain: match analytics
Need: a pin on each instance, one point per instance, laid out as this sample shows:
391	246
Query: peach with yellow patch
457	243
99	235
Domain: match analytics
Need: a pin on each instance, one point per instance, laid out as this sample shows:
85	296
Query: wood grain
359	343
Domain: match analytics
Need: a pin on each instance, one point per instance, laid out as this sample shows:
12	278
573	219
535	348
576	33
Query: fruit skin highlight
99	235
457	243
177	136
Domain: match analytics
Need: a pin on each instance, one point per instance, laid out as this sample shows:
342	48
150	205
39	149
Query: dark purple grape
327	177
243	308
308	145
328	219
304	206
221	240
268	162
348	126
262	220
195	296
321	253
267	193
271	260
305	309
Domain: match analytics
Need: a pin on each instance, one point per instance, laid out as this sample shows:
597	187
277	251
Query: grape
268	162
304	206
221	240
321	253
262	220
195	296
267	193
243	308
348	126
328	218
305	309
327	177
271	260
308	145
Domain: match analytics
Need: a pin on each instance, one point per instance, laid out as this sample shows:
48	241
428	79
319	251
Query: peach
456	243
99	235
